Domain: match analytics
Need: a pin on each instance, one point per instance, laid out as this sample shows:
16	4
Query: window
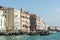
25	17
25	26
16	15
22	16
5	11
5	16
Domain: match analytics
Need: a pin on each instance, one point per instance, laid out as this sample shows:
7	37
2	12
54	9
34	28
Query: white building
42	24
38	27
46	27
2	21
16	19
58	28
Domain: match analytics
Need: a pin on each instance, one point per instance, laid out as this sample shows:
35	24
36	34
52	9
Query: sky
49	10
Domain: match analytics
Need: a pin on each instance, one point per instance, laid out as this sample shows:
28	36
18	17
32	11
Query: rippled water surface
55	36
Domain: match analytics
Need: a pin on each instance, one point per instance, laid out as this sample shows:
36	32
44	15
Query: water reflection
2	38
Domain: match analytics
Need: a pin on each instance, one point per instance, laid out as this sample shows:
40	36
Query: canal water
54	36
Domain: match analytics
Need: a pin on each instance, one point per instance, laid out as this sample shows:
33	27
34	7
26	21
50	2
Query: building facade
2	21
38	24
25	22
42	24
11	18
32	23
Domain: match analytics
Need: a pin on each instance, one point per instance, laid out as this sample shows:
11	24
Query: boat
42	33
